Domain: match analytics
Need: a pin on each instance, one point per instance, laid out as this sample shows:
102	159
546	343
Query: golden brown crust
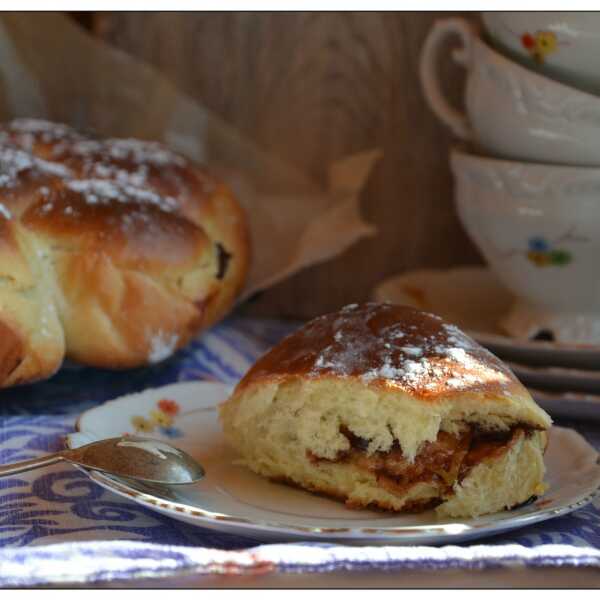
133	235
39	137
12	352
389	346
142	248
225	221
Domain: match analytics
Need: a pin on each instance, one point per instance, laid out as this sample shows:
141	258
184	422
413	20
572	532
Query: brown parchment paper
51	68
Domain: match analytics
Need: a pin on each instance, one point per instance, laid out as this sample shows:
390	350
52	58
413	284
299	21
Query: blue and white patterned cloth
58	526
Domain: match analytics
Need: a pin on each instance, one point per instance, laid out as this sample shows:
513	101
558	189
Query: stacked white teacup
528	176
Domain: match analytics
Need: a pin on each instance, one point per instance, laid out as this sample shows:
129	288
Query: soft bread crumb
275	426
500	484
310	413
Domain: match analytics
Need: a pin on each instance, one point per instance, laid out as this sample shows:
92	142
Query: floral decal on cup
540	44
542	254
161	418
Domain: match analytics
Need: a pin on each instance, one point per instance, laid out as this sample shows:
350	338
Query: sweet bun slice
389	407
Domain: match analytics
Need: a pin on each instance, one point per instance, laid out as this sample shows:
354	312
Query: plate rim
553	371
499	340
567	392
454	531
566	396
486	337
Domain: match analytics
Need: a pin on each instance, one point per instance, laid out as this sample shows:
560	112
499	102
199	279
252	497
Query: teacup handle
453	118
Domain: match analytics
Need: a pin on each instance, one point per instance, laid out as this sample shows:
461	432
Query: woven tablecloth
58	526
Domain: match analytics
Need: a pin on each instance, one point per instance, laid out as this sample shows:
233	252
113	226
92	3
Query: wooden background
313	87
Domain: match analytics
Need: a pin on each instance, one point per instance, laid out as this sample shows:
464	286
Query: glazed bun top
34	149
392	347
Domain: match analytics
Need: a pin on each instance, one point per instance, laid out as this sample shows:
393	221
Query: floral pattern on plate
161	418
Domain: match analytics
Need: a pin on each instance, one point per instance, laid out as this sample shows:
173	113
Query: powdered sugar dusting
126	161
48	130
139	177
324	363
29	132
412	350
348	308
29	125
388	371
143	152
101	191
162	345
14	162
141	171
402	347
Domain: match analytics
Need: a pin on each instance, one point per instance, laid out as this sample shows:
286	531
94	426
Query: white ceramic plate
475	300
233	499
558	379
569	405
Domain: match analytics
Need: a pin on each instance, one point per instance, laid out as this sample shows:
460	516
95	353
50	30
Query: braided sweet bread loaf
112	252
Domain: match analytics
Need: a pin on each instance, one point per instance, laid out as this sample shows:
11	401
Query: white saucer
233	499
473	299
558	379
568	405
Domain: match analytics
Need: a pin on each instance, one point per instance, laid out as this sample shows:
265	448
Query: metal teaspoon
144	459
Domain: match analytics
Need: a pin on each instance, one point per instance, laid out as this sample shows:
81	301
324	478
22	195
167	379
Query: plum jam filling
442	462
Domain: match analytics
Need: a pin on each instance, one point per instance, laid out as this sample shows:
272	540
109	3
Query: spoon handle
29	465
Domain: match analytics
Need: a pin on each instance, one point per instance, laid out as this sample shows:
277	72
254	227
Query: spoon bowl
132	457
145	459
